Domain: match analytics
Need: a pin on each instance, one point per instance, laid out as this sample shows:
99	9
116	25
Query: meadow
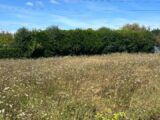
106	87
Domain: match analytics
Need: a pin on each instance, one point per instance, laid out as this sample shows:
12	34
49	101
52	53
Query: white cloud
29	4
54	1
35	19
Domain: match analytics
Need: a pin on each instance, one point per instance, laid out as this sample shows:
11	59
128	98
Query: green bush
10	53
128	41
56	42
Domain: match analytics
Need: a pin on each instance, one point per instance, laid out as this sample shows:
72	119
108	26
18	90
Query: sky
71	14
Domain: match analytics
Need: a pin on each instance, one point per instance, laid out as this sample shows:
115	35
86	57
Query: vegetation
131	38
107	87
6	39
110	87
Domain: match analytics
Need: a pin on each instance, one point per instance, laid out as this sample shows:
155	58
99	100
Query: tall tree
23	41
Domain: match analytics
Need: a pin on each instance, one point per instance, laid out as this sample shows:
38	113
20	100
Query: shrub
10	53
56	42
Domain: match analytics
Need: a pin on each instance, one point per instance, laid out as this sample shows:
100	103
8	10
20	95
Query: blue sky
71	14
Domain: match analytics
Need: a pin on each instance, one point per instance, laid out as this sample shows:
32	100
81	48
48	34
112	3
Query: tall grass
109	87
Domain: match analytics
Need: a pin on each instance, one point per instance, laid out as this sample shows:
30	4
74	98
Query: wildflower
6	88
21	114
26	94
10	105
2	111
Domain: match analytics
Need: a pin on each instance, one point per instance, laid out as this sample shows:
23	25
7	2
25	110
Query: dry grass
81	88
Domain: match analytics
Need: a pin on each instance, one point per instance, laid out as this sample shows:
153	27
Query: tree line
52	41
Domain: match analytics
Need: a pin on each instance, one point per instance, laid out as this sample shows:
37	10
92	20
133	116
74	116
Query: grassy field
109	87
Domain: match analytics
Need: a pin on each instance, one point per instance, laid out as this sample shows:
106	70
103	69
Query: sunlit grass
126	86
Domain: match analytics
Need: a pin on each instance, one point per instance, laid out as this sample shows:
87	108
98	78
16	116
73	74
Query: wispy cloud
54	2
69	17
37	3
29	4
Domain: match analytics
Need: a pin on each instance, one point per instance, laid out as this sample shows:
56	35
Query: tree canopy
57	42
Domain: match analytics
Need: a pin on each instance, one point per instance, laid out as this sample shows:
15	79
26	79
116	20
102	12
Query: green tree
6	39
39	40
134	27
156	34
24	41
53	43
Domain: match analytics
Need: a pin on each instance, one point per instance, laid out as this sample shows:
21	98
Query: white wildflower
21	114
26	94
2	111
10	105
6	88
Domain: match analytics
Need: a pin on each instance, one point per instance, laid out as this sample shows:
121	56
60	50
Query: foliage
110	116
156	33
52	41
24	41
6	39
134	27
10	53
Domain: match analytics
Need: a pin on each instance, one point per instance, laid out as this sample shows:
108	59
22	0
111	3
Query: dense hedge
56	42
129	41
10	53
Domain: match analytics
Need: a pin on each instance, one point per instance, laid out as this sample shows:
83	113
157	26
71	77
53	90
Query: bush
56	42
10	53
128	41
